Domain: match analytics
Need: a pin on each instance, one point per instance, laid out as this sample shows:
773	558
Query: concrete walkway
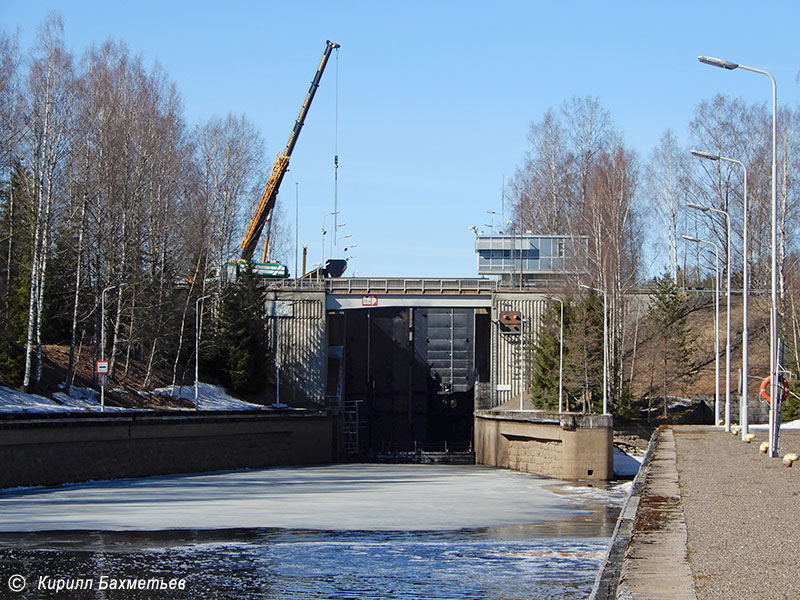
655	565
716	519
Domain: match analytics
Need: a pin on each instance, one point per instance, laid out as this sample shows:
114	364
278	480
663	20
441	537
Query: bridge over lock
422	364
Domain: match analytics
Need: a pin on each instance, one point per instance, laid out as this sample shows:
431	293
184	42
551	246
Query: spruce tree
583	351
669	315
14	284
543	359
241	357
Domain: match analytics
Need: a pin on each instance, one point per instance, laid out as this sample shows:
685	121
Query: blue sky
434	98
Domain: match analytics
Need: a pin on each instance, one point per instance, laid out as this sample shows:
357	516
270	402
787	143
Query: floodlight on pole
334	241
330	214
774	362
605	346
716	320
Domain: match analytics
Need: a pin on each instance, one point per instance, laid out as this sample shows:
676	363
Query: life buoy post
765	389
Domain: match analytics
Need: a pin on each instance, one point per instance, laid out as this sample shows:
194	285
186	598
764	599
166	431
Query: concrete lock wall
49	451
567	446
297	334
505	355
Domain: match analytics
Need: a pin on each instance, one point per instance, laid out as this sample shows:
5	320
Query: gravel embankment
742	512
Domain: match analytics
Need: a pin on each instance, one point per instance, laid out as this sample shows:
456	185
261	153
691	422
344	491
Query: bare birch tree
542	184
10	133
50	91
229	153
666	185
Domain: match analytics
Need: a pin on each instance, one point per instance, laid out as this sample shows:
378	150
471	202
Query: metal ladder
351	426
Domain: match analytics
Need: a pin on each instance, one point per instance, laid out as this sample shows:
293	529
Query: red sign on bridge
369	301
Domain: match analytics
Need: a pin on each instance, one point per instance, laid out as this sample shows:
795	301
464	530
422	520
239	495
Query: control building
539	260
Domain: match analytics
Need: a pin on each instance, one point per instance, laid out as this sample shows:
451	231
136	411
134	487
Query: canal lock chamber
407	379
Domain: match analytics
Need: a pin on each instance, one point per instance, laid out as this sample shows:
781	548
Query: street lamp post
103	341
716	320
560	357
197	350
522	363
520	258
774	411
744	416
605	346
728	311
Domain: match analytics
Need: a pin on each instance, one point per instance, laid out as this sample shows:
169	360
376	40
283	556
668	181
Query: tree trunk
76	296
130	331
123	267
146	382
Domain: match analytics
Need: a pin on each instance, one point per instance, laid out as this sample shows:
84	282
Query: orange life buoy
765	389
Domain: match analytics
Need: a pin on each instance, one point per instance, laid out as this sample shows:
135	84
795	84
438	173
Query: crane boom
267	203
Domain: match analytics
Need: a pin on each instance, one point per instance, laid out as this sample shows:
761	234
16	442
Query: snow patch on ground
14	401
211	397
674	405
626	465
788	425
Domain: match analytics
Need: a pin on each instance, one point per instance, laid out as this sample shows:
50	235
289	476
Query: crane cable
334	240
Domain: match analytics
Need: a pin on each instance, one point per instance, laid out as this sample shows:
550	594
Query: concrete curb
607	580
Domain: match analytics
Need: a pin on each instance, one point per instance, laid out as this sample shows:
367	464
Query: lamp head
707	155
718	62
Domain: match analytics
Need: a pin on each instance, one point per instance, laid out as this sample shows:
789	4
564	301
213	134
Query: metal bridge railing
359	285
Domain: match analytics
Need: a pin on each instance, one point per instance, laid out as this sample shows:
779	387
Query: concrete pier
563	446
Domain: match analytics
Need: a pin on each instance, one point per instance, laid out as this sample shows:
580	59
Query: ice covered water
331	497
354	531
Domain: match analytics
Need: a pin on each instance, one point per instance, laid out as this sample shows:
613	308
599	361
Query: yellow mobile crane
263	212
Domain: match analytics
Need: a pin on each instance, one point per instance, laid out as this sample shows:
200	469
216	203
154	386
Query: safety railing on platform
364	285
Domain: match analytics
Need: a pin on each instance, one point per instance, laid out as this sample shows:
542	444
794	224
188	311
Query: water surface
344	531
